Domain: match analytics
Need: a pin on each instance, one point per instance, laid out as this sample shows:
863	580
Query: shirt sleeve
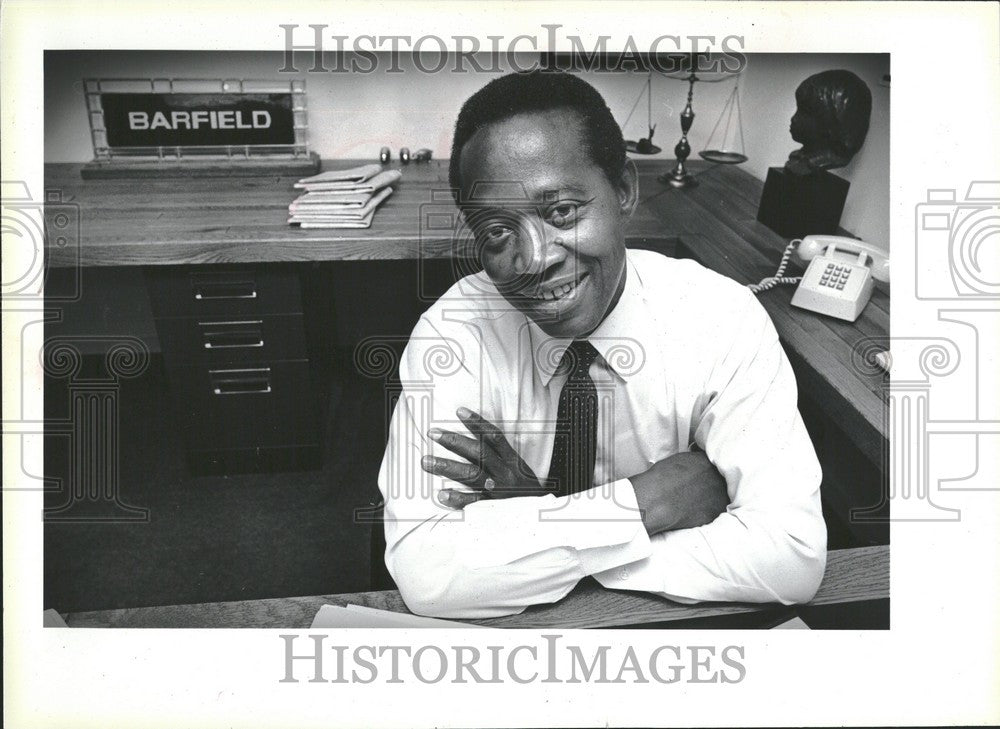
495	557
770	544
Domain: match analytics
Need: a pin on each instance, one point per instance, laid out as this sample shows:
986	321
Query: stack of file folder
342	198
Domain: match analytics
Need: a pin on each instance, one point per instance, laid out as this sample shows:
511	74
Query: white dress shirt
687	357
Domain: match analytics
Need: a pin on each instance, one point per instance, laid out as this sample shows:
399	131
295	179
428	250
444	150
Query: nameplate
198	119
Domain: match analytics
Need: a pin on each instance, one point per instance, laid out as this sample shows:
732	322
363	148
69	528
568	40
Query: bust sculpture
830	122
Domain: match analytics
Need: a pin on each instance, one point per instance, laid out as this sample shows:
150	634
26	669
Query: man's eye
562	216
495	235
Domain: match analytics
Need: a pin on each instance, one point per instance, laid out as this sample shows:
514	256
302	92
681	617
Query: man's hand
680	492
494	470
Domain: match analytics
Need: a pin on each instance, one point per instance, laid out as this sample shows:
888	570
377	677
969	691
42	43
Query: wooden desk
172	222
851	575
244	220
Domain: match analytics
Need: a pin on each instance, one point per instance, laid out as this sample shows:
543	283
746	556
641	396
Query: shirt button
623	574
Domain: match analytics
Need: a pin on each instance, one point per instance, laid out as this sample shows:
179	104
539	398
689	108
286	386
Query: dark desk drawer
266	405
228	291
215	340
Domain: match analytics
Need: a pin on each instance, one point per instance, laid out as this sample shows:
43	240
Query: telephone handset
839	279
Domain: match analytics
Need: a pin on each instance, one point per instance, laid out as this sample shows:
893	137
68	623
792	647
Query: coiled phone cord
779	276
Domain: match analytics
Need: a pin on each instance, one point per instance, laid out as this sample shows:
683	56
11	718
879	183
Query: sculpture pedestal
794	207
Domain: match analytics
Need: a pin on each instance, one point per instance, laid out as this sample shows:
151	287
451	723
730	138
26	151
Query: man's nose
538	249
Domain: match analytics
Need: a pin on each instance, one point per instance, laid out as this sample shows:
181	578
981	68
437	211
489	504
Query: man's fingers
457	499
461	472
470	449
491	434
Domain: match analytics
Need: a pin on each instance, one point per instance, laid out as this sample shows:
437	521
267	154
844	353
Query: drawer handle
225	290
237	345
241	382
232	334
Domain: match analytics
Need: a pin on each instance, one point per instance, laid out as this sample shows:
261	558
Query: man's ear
628	189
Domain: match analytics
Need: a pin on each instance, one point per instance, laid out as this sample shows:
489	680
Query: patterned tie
575	449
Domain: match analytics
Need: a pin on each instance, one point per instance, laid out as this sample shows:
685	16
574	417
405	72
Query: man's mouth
556	290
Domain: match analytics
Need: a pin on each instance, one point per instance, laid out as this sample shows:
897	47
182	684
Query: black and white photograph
366	355
506	367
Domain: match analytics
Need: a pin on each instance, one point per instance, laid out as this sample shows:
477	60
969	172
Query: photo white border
937	664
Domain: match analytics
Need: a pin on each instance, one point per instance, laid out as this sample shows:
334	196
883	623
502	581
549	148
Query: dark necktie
575	449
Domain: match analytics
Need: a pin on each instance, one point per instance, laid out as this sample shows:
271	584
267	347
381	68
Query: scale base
680	181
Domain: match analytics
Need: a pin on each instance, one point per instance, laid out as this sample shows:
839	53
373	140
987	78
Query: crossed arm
680	492
737	520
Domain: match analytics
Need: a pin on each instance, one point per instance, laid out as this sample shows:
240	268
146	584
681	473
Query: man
578	409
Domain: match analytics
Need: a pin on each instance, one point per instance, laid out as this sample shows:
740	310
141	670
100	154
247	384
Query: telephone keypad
835	277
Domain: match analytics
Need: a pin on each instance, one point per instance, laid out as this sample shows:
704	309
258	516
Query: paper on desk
358	616
372	184
354	174
326	217
428	622
333	222
328	199
336	211
795	623
52	619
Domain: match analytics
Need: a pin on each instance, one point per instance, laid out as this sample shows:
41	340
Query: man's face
549	225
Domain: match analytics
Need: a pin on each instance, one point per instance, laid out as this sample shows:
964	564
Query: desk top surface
851	575
168	221
244	220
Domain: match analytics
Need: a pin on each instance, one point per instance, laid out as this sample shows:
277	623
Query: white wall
353	115
768	107
767	101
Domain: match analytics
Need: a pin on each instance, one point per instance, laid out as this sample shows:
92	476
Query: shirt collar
615	339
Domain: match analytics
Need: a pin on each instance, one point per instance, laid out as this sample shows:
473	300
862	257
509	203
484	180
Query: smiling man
579	409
